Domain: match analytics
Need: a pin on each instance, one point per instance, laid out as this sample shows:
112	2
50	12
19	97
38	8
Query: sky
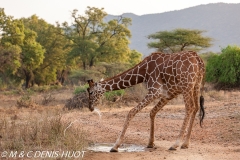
60	10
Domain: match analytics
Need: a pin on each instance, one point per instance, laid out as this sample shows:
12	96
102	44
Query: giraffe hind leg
195	110
189	102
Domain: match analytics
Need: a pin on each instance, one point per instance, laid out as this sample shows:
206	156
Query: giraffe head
95	92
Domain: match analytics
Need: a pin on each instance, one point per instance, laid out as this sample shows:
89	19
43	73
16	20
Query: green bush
3	86
81	89
113	94
224	68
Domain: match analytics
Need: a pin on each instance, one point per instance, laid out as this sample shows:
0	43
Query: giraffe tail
202	111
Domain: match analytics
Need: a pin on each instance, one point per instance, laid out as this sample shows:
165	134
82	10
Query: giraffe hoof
172	149
113	150
151	145
184	147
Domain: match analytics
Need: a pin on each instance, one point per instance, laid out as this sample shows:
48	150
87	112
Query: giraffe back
174	73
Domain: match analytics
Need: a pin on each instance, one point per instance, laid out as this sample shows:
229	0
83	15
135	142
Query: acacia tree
94	40
179	40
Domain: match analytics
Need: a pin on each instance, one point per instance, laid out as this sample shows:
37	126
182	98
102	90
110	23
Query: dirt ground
218	139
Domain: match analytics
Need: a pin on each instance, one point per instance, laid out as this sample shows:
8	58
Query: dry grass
47	98
33	121
38	129
216	95
78	101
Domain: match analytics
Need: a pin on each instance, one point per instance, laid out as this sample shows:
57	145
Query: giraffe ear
90	82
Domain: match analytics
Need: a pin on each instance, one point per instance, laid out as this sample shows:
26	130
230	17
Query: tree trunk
29	77
183	46
84	65
61	76
91	62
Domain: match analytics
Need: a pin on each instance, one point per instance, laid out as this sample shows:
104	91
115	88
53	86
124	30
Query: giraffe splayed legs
166	76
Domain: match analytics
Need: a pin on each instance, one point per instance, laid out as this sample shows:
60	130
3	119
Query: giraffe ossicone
166	76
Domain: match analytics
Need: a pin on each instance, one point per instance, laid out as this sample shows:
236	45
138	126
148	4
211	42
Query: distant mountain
221	21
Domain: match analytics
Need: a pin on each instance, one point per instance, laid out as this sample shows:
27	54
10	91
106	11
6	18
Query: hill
220	21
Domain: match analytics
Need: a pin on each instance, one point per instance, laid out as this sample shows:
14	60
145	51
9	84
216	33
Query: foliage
113	94
81	89
55	54
11	30
11	37
224	68
84	75
31	50
179	40
94	40
101	70
112	69
205	56
9	59
135	57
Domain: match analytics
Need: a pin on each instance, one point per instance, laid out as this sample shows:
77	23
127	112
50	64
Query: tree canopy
179	40
33	51
94	40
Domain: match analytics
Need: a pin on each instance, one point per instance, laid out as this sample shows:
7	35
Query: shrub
111	96
3	86
224	68
81	89
26	101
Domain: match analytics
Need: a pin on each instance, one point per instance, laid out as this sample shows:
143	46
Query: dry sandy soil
218	139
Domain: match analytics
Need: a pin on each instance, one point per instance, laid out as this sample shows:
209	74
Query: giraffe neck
126	79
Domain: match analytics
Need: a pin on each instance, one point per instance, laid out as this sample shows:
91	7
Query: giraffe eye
91	93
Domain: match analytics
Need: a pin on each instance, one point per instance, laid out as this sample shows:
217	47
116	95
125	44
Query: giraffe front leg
120	138
130	115
151	138
153	113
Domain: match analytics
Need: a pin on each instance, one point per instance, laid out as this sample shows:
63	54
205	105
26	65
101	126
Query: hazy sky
60	10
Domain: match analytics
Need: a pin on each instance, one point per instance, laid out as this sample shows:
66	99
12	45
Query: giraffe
166	76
